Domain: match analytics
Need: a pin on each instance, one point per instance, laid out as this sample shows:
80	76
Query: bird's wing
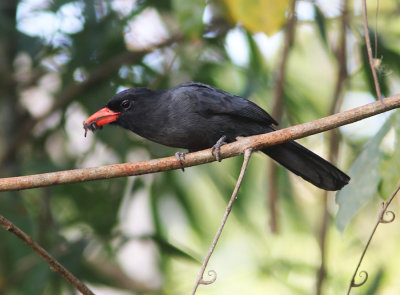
212	101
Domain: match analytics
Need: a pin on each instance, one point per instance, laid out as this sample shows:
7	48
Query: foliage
351	198
62	60
266	16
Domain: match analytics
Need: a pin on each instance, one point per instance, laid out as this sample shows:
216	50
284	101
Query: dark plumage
195	116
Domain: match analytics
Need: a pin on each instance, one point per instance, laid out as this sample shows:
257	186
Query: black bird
196	116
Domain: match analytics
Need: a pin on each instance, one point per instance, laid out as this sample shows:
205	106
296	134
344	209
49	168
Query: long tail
308	165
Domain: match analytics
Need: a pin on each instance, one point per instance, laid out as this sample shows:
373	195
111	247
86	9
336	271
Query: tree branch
54	264
201	157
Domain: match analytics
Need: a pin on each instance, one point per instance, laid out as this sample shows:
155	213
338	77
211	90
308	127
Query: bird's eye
126	104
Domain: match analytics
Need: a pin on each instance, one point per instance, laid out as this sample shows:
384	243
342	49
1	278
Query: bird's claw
216	149
180	156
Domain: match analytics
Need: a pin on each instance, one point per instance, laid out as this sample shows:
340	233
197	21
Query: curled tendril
389	220
361	274
213	275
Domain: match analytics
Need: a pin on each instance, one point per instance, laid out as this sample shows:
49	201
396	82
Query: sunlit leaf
266	16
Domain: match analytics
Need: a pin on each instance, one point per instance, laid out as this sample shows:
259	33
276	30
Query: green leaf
167	247
162	5
365	178
256	74
95	204
190	16
266	16
321	23
390	164
377	283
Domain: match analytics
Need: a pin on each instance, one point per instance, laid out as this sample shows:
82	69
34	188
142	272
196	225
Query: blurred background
60	61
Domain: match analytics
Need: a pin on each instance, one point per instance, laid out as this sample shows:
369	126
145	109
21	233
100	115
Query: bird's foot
216	149
180	156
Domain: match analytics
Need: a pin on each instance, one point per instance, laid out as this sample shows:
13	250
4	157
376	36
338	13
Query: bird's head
118	109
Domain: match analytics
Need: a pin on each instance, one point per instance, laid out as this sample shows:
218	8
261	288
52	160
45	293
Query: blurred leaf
160	4
39	273
321	23
390	166
190	16
365	178
299	106
167	247
266	16
203	71
94	203
287	267
376	284
11	248
179	191
30	45
229	77
287	200
156	192
99	40
256	75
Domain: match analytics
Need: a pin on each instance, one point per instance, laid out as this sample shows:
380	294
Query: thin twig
379	220
387	203
277	113
369	51
333	142
236	148
200	280
54	264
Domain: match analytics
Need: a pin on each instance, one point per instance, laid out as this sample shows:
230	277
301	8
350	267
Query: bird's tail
308	165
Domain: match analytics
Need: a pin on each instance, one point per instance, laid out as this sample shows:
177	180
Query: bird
196	116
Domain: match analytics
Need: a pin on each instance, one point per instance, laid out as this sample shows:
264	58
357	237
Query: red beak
102	117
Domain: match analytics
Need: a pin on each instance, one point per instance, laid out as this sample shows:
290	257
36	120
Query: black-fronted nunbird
196	116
